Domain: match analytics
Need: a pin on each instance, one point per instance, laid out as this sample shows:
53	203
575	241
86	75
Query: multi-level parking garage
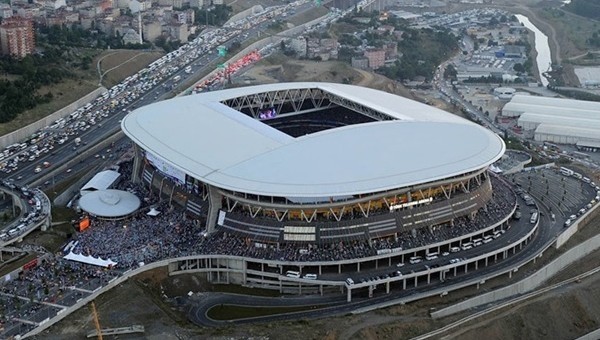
323	179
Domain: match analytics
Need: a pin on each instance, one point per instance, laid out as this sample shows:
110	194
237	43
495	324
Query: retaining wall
528	284
24	132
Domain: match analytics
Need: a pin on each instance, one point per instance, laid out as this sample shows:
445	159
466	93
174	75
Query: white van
291	273
454	249
13	232
3	236
349	281
431	256
466	246
477	242
415	259
310	276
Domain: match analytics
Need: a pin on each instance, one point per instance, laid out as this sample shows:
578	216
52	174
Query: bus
566	171
534	217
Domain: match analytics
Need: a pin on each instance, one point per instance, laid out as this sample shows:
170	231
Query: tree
518	67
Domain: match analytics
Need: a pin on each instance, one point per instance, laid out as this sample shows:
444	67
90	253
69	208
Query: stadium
321	180
297	172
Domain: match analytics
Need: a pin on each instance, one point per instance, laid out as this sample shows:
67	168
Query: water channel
544	59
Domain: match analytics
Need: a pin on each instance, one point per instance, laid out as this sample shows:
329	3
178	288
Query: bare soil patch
279	68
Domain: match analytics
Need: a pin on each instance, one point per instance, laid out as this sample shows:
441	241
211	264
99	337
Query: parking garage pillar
349	295
358	267
415	281
387	287
476	265
404	284
214	205
137	164
486	261
466	268
428	278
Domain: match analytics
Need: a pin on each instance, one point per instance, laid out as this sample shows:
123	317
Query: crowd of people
143	238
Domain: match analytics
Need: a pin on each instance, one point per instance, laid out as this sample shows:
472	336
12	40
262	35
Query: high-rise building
17	37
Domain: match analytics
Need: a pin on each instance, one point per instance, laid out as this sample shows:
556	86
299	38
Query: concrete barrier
528	284
245	13
569	232
24	132
594	335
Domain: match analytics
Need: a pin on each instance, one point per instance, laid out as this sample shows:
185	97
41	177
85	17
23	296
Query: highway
129	98
65	152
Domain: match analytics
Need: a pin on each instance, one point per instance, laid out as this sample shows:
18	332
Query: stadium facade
313	163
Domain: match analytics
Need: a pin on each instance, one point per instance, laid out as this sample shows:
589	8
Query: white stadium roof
201	137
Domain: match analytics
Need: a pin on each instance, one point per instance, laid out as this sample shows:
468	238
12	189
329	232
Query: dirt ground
282	69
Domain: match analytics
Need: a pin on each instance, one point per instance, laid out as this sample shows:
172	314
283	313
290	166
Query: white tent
101	181
153	212
89	260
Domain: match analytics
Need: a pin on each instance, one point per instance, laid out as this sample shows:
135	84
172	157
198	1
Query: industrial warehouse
556	120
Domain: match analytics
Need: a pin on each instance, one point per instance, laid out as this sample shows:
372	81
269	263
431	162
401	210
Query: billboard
165	168
83	224
267	113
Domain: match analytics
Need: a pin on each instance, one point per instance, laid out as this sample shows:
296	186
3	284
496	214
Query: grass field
117	65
